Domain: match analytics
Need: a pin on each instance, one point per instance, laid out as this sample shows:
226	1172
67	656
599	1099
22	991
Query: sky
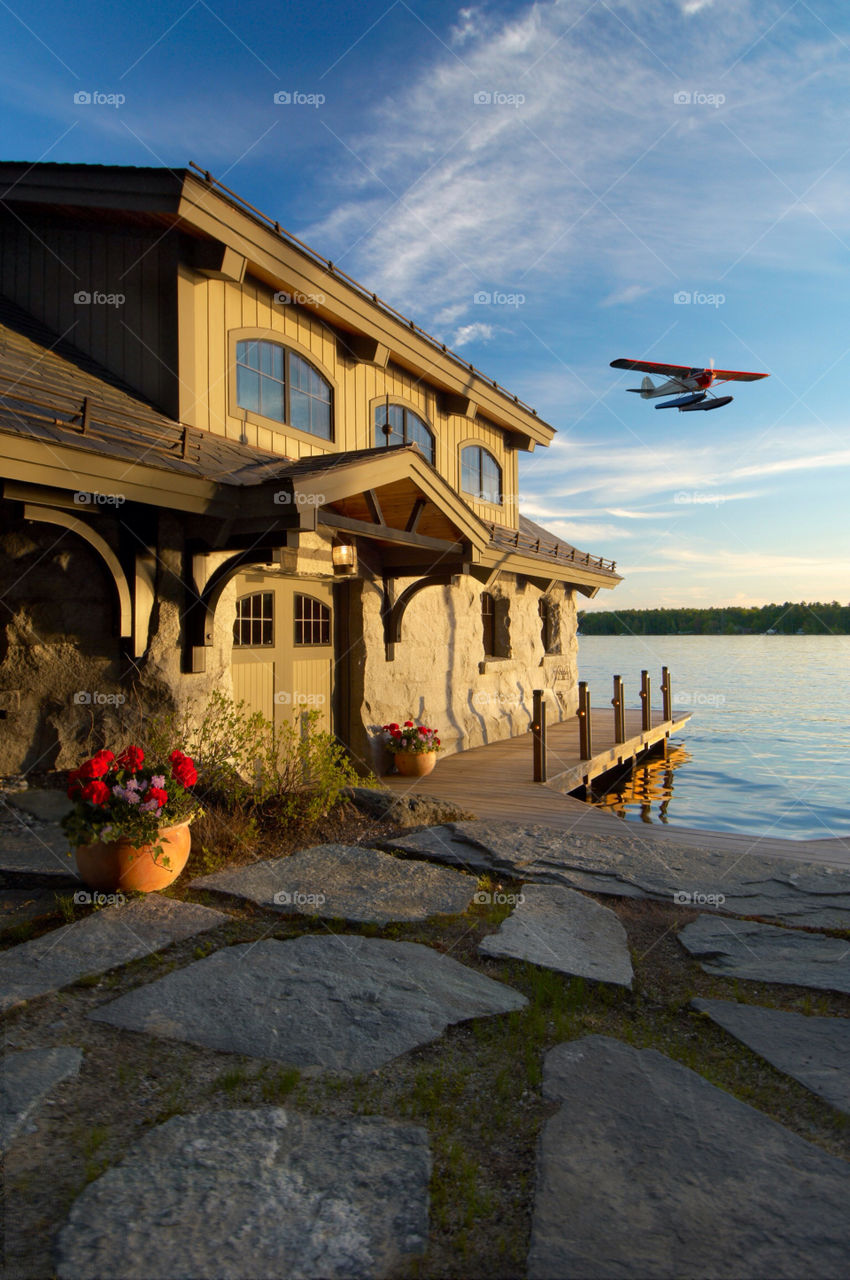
546	187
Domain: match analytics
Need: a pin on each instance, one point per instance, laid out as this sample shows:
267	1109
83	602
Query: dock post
585	746
666	700
646	700
538	734
619	710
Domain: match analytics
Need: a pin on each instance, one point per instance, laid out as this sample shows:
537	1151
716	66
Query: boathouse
227	465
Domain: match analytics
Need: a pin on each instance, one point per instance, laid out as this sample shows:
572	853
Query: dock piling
646	700
666	700
618	703
538	735
584	736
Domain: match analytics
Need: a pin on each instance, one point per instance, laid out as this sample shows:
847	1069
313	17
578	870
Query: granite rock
632	866
111	937
264	1193
561	929
648	1170
765	953
814	1050
339	1002
348	882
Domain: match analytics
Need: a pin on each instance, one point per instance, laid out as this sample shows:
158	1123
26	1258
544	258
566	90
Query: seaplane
690	387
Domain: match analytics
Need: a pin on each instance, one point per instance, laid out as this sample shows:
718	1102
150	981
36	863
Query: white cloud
567	165
472	333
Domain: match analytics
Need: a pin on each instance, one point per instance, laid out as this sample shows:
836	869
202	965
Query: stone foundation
440	674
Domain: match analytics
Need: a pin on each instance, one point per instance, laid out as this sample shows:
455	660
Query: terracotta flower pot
115	865
415	764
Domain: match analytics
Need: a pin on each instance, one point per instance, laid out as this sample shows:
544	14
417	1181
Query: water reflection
648	784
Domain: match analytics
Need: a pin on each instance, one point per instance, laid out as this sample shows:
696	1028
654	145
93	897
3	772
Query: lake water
767	750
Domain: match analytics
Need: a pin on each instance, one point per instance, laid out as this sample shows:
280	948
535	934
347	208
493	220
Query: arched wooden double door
283	653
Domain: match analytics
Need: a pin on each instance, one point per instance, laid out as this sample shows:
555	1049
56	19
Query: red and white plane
694	383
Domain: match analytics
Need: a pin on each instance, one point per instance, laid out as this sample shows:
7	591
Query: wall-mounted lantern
344	555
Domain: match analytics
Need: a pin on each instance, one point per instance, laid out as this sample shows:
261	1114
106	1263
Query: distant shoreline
771	619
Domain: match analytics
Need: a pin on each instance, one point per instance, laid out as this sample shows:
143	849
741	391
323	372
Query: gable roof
66	424
203	208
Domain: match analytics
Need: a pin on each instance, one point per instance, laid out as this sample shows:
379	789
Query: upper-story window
395	424
277	383
480	474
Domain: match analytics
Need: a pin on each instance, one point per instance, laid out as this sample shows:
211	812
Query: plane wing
684	371
733	375
648	366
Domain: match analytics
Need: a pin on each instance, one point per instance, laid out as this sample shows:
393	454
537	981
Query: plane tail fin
645	389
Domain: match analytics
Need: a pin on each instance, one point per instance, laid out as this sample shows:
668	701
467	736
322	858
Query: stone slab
48	804
339	1001
765	953
561	929
264	1193
39	849
107	938
647	1170
813	1050
26	1078
347	882
635	866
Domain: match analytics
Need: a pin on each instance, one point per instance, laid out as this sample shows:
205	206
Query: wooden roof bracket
393	612
51	515
204	590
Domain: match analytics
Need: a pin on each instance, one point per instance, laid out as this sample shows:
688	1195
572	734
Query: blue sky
584	164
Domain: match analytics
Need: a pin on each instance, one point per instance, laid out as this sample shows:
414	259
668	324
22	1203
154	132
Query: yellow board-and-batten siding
224	312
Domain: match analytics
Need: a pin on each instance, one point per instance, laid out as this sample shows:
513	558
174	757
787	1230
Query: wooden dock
509	761
496	783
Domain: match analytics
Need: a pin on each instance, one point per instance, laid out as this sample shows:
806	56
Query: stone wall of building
67	686
60	659
440	675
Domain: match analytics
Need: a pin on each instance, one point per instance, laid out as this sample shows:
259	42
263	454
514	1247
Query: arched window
277	383
254	623
312	621
396	424
480	474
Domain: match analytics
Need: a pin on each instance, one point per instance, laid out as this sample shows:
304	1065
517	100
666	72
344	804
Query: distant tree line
785	619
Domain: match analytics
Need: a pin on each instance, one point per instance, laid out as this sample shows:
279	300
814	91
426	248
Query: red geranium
132	759
183	769
96	791
157	794
97	766
408	724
